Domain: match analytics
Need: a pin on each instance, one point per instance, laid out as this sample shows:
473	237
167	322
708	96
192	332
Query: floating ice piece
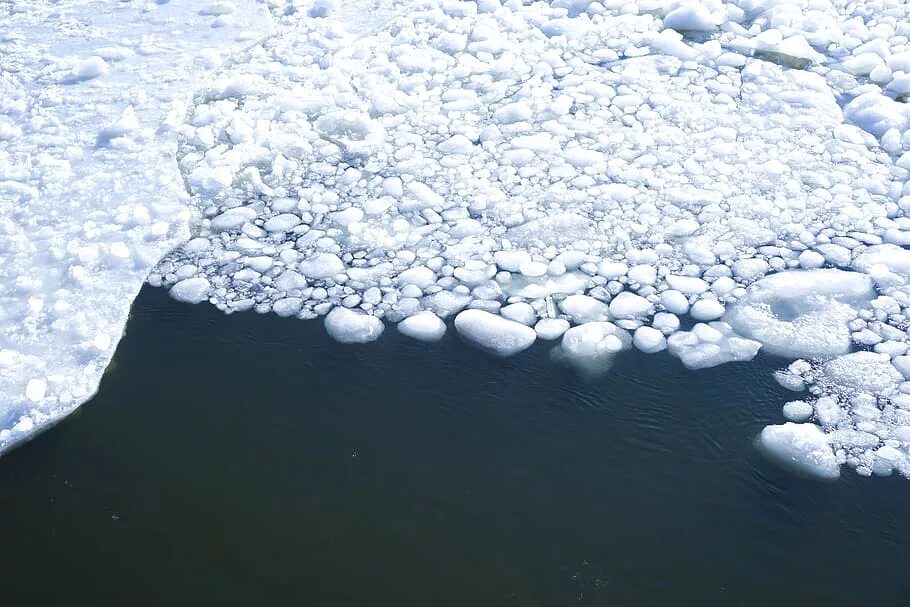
352	327
494	333
649	340
218	8
520	312
794	51
583	308
801	447
191	290
875	113
551	328
709	345
879	260
321	265
591	347
423	326
868	372
802	313
35	390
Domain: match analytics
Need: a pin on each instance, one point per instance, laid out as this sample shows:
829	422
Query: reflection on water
248	459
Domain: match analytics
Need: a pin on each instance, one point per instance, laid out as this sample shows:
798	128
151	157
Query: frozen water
600	173
803	447
352	326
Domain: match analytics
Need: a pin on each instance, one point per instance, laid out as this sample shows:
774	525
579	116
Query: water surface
250	460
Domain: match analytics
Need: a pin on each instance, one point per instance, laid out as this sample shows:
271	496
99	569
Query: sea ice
803	447
494	333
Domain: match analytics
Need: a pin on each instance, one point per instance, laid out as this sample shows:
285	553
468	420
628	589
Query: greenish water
250	460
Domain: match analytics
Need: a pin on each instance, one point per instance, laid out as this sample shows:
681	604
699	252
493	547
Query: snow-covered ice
90	195
717	178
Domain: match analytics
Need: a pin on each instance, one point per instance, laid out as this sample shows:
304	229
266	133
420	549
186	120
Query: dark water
249	460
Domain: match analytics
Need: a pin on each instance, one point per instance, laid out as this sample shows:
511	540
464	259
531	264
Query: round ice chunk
584	308
692	17
494	333
192	290
802	313
801	447
630	305
711	345
35	390
674	301
281	223
352	327
797	411
649	340
423	326
520	312
420	276
594	338
551	328
707	309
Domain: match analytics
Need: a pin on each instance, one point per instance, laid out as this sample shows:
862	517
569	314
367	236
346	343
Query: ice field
717	179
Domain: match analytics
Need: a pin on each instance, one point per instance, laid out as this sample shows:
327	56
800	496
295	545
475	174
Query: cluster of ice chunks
585	172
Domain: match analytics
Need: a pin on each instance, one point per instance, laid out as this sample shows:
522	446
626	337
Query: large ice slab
90	195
